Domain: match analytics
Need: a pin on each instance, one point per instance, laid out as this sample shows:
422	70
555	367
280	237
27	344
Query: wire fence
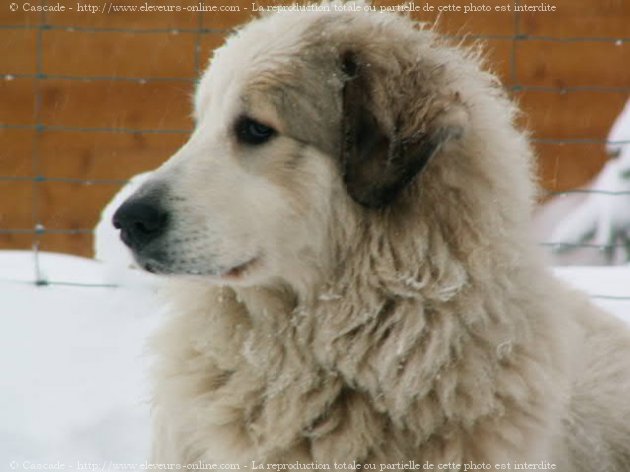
39	125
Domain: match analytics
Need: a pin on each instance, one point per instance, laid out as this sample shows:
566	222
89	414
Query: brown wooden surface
113	93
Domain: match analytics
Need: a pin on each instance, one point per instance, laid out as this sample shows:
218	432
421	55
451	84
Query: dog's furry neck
411	340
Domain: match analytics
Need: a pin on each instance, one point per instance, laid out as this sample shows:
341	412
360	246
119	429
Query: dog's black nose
140	221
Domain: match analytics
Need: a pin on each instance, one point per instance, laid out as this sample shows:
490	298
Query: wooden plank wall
90	99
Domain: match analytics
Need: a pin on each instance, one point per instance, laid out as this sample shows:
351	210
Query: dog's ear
378	163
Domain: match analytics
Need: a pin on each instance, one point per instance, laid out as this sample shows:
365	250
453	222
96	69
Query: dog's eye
250	131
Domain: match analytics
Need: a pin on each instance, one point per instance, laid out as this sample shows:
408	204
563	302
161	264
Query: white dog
351	278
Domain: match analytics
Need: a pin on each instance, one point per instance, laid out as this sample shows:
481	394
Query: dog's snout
140	222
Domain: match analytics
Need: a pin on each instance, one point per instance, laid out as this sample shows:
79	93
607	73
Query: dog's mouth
232	274
239	271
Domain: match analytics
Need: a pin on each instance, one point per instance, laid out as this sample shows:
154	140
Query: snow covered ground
73	359
73	363
608	286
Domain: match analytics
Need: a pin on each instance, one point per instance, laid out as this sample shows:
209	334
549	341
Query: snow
74	366
604	213
609	287
619	134
579	224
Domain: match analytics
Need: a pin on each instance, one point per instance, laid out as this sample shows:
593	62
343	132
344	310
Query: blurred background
89	98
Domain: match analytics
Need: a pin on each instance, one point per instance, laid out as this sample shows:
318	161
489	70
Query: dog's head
306	124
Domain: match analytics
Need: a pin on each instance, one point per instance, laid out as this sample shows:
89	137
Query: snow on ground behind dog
74	364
